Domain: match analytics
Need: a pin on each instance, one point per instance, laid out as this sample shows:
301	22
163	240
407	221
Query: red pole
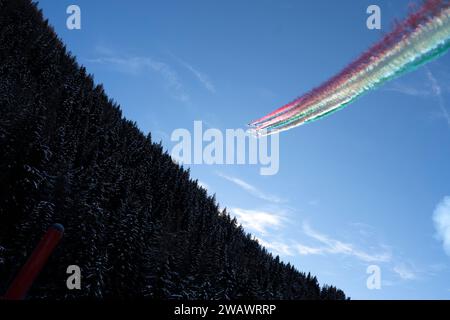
23	281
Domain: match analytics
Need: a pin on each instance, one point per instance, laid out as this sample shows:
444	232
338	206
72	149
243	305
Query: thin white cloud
441	220
333	246
402	88
405	272
277	247
201	77
437	91
307	250
363	229
434	90
259	221
251	189
326	245
203	185
137	65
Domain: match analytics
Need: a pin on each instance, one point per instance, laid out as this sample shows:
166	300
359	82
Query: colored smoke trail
421	37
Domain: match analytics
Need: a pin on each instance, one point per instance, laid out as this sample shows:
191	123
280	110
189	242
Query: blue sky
357	188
